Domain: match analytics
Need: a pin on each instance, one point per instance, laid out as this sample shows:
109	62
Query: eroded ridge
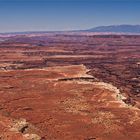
64	103
112	58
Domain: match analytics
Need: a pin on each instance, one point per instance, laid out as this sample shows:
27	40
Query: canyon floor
70	87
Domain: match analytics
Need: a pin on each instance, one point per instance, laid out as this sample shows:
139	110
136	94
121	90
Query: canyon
69	87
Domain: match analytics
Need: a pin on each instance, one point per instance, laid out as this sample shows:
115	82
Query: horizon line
72	30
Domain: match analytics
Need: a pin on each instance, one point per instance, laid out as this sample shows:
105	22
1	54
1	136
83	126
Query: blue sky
52	15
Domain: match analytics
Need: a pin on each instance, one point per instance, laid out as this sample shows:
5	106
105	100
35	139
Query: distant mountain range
117	29
124	29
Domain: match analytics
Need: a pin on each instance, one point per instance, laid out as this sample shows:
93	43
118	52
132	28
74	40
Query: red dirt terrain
70	87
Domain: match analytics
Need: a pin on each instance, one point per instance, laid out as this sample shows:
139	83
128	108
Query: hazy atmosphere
56	15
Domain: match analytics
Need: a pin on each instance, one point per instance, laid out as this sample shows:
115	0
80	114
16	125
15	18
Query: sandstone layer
63	103
66	87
